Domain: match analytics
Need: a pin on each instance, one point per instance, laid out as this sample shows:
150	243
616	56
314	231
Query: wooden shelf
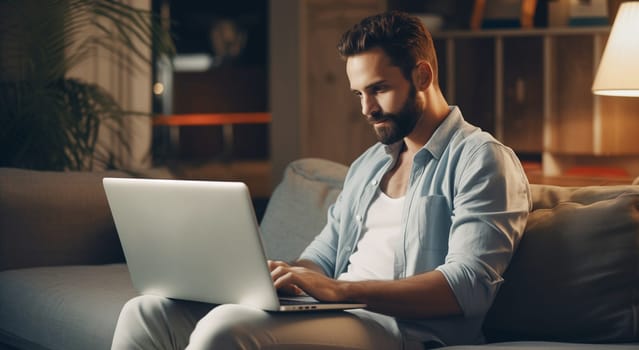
225	120
201	119
531	89
518	32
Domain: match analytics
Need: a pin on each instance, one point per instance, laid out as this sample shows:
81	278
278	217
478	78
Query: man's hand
297	280
421	296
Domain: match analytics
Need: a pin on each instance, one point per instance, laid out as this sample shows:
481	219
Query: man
427	222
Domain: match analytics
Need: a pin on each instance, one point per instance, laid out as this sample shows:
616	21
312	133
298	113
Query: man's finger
272	264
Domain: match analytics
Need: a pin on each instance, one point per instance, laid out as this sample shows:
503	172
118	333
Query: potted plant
49	121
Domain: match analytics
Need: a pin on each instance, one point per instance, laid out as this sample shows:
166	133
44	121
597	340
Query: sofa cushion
55	218
575	275
297	210
64	307
548	196
543	345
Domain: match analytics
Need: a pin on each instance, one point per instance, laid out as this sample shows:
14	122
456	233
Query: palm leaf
49	121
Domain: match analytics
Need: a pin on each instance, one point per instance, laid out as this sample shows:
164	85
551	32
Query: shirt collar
440	138
444	132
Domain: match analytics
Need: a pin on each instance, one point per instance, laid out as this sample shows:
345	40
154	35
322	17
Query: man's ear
422	75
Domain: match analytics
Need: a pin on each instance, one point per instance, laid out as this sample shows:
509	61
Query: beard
398	125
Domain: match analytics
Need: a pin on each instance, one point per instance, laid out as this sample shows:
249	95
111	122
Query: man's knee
152	322
135	324
229	327
141	309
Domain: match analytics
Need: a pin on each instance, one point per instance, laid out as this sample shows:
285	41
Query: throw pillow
574	277
297	210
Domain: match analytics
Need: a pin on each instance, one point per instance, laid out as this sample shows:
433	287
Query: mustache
378	117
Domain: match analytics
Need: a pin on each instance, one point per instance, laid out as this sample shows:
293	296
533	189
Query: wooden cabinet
522	94
332	126
314	114
532	90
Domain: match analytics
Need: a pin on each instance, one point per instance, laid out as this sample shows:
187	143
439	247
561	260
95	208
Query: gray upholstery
536	345
297	209
68	307
55	218
574	277
548	197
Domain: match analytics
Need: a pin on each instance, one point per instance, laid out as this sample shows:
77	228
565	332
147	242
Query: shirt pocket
434	222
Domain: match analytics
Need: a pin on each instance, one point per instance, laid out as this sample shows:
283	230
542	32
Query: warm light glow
158	88
618	72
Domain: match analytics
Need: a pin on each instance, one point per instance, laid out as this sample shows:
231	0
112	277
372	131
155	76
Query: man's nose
369	105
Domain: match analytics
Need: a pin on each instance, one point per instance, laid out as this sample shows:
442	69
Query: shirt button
374	183
358	218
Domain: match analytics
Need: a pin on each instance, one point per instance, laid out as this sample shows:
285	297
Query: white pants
150	322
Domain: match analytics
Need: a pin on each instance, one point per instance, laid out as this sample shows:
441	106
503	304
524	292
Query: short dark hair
402	37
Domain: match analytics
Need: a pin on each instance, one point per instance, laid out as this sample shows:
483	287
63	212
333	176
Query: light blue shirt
464	213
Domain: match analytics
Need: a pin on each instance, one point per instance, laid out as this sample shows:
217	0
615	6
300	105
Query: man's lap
155	322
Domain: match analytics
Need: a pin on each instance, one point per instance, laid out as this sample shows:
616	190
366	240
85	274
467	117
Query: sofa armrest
55	218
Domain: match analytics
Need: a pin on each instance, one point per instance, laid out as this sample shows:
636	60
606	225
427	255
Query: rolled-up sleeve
491	205
323	249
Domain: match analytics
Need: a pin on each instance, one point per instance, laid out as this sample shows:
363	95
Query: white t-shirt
374	259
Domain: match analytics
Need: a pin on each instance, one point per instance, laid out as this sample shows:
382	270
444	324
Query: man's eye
378	89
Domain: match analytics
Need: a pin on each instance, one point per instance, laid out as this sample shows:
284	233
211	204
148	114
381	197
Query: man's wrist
350	291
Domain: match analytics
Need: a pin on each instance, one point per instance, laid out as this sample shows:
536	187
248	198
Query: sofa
573	282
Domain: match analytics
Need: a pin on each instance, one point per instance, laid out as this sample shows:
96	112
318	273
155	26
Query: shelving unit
531	89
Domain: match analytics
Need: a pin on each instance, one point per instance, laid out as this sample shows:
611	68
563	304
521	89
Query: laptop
199	241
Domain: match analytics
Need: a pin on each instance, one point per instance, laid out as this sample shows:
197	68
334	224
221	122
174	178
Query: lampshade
618	72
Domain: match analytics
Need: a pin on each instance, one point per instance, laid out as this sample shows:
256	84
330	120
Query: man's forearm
421	296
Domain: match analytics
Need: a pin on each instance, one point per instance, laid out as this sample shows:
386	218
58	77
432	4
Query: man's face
388	100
